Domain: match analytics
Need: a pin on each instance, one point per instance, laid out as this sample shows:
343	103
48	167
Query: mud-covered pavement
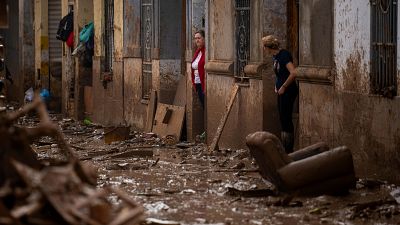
187	185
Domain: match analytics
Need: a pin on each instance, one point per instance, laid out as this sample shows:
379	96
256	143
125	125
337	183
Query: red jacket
202	62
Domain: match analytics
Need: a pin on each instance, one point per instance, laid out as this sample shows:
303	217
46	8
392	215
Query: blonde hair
271	41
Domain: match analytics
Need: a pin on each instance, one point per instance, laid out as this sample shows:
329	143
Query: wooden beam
224	118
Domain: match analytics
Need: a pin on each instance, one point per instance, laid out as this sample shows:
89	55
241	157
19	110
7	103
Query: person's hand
281	90
276	90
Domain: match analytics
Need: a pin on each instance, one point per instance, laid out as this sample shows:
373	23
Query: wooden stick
224	118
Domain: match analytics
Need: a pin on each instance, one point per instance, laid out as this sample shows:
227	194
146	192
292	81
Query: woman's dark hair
201	32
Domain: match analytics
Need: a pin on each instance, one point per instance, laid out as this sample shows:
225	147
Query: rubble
62	193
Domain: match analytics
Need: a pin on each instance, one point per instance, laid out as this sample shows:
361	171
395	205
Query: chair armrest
326	165
309	151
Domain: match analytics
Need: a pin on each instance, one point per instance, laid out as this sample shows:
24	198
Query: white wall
352	45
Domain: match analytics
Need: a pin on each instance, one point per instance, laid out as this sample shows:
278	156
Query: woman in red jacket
198	62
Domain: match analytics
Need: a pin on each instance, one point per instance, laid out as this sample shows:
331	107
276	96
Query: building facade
18	37
349	81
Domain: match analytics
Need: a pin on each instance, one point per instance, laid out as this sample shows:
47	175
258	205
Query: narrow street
199	112
188	185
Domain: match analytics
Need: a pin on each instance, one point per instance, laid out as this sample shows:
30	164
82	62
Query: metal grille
383	45
147	44
109	35
242	35
55	46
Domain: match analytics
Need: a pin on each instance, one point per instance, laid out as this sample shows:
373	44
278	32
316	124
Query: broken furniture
310	171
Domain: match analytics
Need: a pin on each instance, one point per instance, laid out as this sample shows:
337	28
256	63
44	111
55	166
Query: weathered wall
12	48
135	110
108	99
274	22
170	39
28	47
19	47
248	112
315	32
274	19
352	45
344	113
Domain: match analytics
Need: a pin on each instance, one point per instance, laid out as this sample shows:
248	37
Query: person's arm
290	79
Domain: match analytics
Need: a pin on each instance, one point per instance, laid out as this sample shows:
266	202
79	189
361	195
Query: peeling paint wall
352	45
344	112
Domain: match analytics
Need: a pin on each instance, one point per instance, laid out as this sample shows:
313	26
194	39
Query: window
383	46
147	44
242	35
109	35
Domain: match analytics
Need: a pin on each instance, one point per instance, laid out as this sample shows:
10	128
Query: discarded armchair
313	170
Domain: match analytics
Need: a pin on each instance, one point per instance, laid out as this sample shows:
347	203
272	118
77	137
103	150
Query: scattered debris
32	193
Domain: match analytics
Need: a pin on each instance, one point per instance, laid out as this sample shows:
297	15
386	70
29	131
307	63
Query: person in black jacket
285	87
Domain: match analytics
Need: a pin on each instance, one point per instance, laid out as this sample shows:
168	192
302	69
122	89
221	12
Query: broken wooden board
151	110
112	134
224	118
169	120
180	96
133	153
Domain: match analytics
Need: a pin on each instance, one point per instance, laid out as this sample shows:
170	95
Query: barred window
109	35
242	35
383	47
147	44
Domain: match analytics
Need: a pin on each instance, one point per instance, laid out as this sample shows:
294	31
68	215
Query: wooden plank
224	118
174	125
151	111
180	96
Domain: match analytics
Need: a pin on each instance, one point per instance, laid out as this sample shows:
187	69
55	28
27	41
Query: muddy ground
190	186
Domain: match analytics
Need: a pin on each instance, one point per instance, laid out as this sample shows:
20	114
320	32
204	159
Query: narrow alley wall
19	47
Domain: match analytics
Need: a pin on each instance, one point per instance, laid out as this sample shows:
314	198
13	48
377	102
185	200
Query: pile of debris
62	193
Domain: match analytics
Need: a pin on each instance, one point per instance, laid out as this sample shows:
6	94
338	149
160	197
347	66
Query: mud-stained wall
245	117
247	114
135	110
316	32
19	47
170	39
108	96
275	19
344	112
221	30
352	45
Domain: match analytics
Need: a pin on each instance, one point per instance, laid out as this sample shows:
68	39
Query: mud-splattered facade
337	103
255	106
148	54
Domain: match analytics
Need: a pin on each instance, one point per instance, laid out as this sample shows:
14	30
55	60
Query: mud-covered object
311	171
